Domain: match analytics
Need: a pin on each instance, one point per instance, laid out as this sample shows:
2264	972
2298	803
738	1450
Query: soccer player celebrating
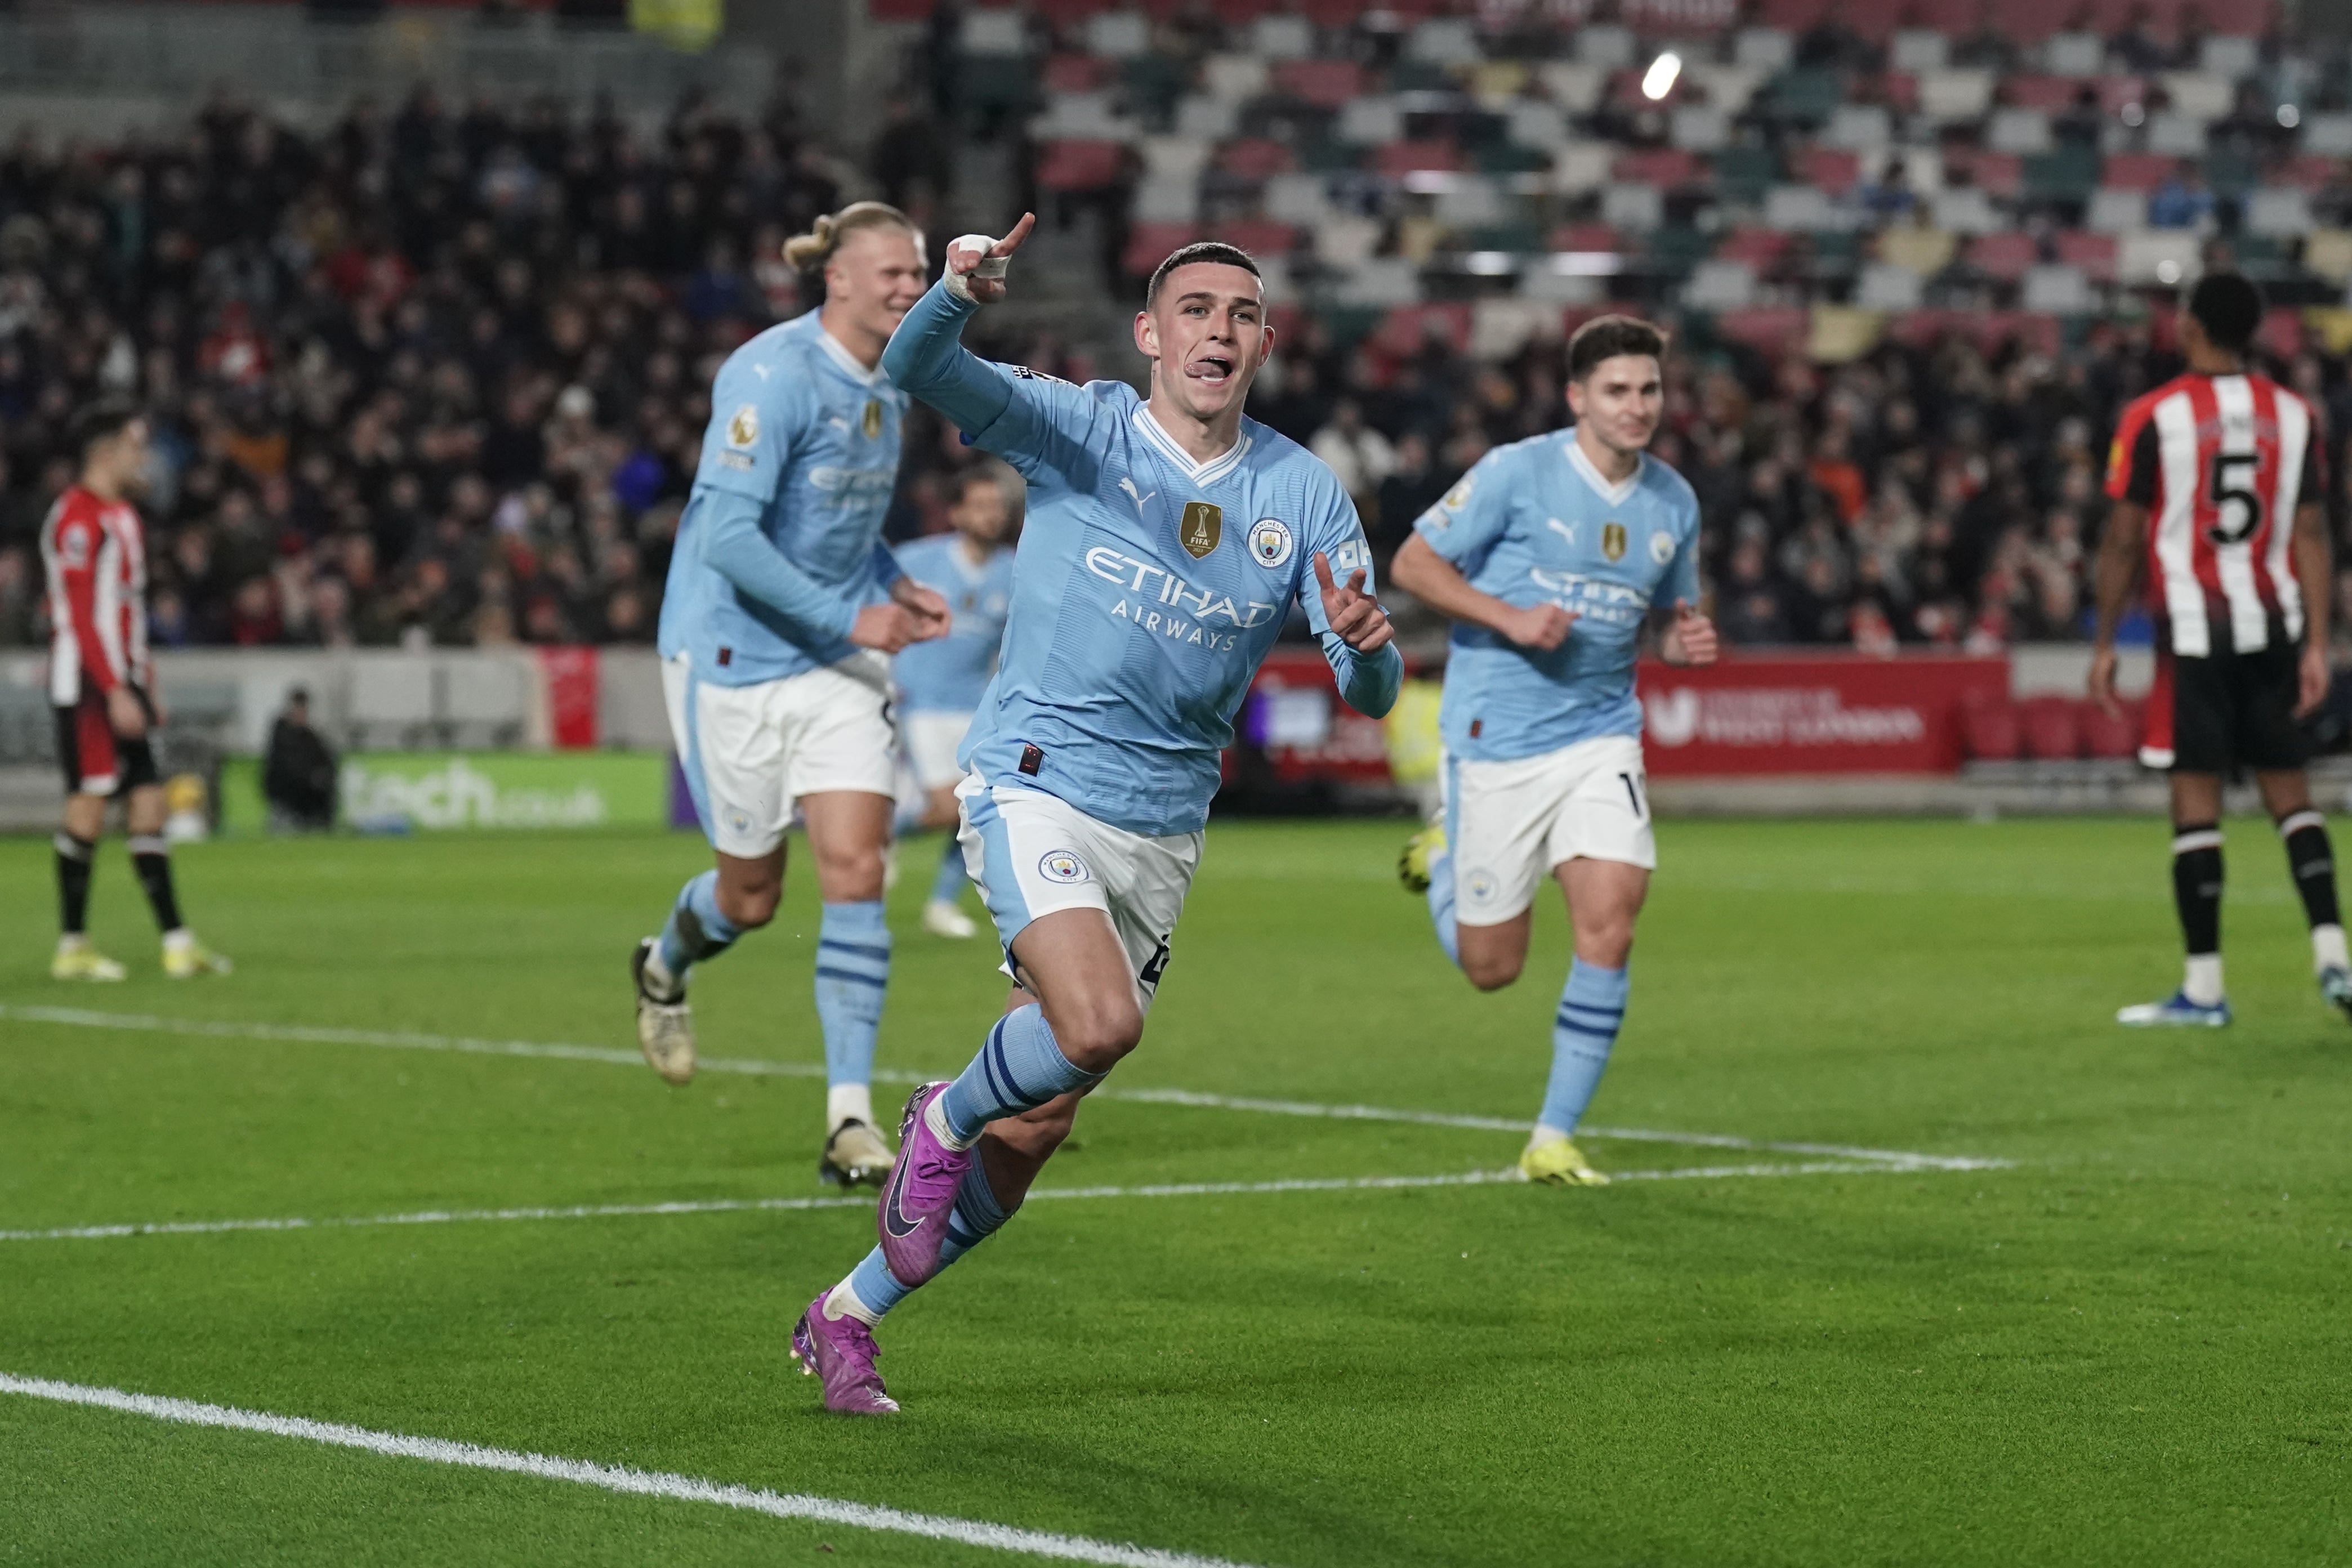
942	681
103	685
1550	556
782	607
1167	538
2215	479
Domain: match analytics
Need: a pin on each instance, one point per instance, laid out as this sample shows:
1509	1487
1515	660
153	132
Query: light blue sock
1441	906
1019	1068
948	887
976	1217
696	930
853	968
1592	1010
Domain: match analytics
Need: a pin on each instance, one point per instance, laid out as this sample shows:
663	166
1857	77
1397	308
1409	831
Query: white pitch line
617	1478
80	1018
772	1204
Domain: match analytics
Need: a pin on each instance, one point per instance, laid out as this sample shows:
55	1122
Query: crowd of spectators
440	376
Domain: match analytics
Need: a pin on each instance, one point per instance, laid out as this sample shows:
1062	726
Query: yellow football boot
1412	866
186	959
1557	1162
83	962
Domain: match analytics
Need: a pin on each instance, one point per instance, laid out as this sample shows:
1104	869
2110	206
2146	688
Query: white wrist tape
991	267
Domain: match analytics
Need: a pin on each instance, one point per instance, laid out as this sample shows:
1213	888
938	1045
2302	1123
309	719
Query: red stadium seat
2053	727
1999	174
1079	165
1260	237
2005	257
1899	90
2309	172
1405	331
1830	169
2051	94
1076	73
1668	168
1148	245
1771	329
1326	84
1586	237
1762	249
2094	255
2114	92
1256	158
1989	730
1401	157
2137	171
2109	735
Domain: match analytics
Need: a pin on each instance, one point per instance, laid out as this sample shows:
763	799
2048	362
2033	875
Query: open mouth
1214	369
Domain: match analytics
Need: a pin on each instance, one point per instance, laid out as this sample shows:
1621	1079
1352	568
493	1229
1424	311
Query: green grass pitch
2128	1344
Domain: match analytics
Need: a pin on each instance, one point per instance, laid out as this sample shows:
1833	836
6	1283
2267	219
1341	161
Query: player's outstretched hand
2102	682
965	255
1544	626
124	714
888	627
927	605
2312	679
1693	639
1348	611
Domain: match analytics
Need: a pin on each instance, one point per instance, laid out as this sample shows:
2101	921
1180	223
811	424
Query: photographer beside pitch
1167	538
1550	555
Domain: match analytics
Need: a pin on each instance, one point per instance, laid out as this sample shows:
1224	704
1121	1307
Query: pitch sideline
83	1018
616	1477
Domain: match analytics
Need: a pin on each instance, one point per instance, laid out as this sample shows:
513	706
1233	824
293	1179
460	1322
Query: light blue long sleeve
734	547
887	570
925	358
1368	685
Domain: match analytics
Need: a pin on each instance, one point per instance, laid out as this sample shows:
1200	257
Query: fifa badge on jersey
1269	542
744	426
873	425
1613	540
1204	525
1662	548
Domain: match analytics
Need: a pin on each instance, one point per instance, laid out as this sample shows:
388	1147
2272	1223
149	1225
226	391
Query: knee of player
851	874
1095	1038
748	908
1491	974
1608	945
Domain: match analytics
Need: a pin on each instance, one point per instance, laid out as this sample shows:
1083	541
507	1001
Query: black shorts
2226	711
95	759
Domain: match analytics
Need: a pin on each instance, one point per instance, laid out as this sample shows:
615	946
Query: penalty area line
615	1477
1042	1195
400	1040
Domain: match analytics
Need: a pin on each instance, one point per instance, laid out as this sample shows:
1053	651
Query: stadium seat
1575	85
2116	212
1323	83
1775	330
1237	78
1118	35
1923	251
2094	255
2058	288
1282	37
1801	208
1918	49
2164	259
1998	175
1955	97
1884	286
1699	127
2051	727
2202	98
2063	175
1148	245
1607	45
1532	122
1632	207
2176	135
1386	281
1581	168
2027	92
1079	165
1730	88
1965	211
1668	168
1066	73
1859	128
2073	54
1764	50
1372	121
1254	158
2019	129
1990	731
1744	173
2137	171
2006	258
1831	169
2112	737
1718	285
2327	254
2282	213
1405	331
1262	238
1399	159
2326	136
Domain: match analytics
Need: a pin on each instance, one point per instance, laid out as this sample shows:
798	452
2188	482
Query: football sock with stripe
1592	1009
151	858
76	858
1441	905
2310	859
2197	893
948	887
853	970
1019	1068
695	931
871	1289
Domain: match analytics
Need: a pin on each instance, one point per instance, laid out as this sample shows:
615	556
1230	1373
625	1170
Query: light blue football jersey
948	673
801	428
1149	589
1535	521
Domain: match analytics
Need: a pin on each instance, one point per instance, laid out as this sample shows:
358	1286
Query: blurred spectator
297	772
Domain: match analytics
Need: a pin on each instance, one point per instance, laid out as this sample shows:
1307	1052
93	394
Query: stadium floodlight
1659	79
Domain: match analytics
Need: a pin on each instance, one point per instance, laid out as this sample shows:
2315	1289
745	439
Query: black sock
75	857
2311	861
152	859
2196	885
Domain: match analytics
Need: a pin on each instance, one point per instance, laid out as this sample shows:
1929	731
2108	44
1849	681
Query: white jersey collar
1208	473
1615	495
845	359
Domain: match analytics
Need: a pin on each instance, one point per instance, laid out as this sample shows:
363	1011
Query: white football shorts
1507	824
1034	854
750	752
933	737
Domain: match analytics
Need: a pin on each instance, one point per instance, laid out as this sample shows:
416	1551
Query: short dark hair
102	421
2229	307
1606	337
1199	250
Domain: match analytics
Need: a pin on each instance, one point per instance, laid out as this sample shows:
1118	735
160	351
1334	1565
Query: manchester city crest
1269	542
1062	865
1204	525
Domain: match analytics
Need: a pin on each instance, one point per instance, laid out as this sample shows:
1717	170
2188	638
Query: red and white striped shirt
2220	463
95	555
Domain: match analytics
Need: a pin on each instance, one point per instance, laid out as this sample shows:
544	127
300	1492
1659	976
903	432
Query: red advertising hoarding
1821	714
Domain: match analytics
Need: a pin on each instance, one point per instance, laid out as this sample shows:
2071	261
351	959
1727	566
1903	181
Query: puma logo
1139	498
1565	530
